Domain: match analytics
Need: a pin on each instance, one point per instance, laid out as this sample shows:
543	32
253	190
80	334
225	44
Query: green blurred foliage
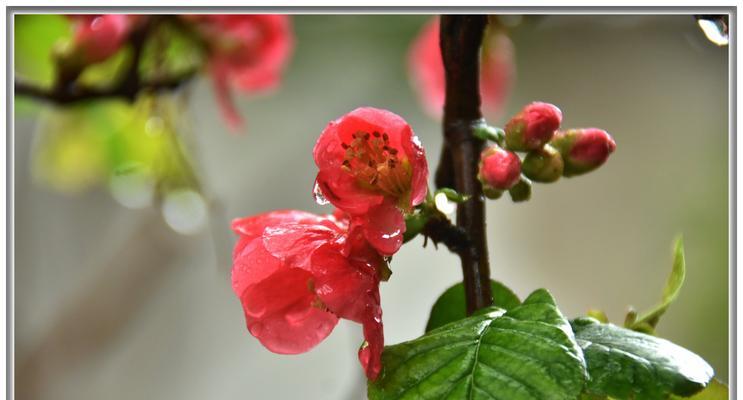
86	144
35	39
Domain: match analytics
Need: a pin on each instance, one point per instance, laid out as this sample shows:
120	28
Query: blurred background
110	302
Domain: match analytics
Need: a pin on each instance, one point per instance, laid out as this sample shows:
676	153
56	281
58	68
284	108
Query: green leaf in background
625	364
647	321
108	72
450	306
716	390
34	39
172	51
526	353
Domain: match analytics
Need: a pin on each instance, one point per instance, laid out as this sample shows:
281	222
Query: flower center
376	165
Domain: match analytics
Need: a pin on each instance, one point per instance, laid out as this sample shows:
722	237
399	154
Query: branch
66	90
460	40
76	94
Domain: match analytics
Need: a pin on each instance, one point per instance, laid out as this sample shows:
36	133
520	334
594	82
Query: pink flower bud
98	37
583	150
543	165
533	126
499	169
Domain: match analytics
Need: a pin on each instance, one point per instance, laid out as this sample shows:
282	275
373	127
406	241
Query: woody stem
460	40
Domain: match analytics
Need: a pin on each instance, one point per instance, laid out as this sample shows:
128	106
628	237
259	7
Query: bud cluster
549	152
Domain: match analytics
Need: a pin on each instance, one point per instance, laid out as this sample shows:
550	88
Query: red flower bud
373	167
543	165
533	126
98	37
499	169
583	150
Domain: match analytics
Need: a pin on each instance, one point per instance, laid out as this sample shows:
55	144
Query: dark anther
345	146
385	137
376	134
366	136
393	151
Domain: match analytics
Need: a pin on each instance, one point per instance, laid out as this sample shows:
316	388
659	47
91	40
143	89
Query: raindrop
154	126
185	211
443	204
715	28
318	195
133	188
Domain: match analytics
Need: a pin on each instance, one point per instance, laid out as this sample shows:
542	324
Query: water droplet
154	126
256	329
443	204
715	28
185	211
319	196
132	188
295	318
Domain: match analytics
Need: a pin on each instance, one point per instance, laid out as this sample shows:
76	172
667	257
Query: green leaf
450	306
715	391
526	353
625	364
647	321
34	39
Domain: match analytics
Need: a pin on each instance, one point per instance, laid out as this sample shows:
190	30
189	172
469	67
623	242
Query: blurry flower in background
497	70
246	52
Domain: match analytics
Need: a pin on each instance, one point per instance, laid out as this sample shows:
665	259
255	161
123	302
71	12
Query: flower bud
100	36
521	191
499	169
543	165
533	126
583	150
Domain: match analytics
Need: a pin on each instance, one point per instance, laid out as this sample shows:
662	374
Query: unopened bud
99	37
533	126
499	169
543	165
583	150
521	191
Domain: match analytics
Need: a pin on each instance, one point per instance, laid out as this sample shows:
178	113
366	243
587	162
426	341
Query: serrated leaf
526	353
625	364
648	320
716	390
450	306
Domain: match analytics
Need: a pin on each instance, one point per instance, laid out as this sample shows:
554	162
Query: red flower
499	169
373	167
426	69
248	52
533	126
583	150
98	37
296	273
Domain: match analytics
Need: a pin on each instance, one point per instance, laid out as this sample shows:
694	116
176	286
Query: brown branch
78	93
66	89
441	230
460	40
